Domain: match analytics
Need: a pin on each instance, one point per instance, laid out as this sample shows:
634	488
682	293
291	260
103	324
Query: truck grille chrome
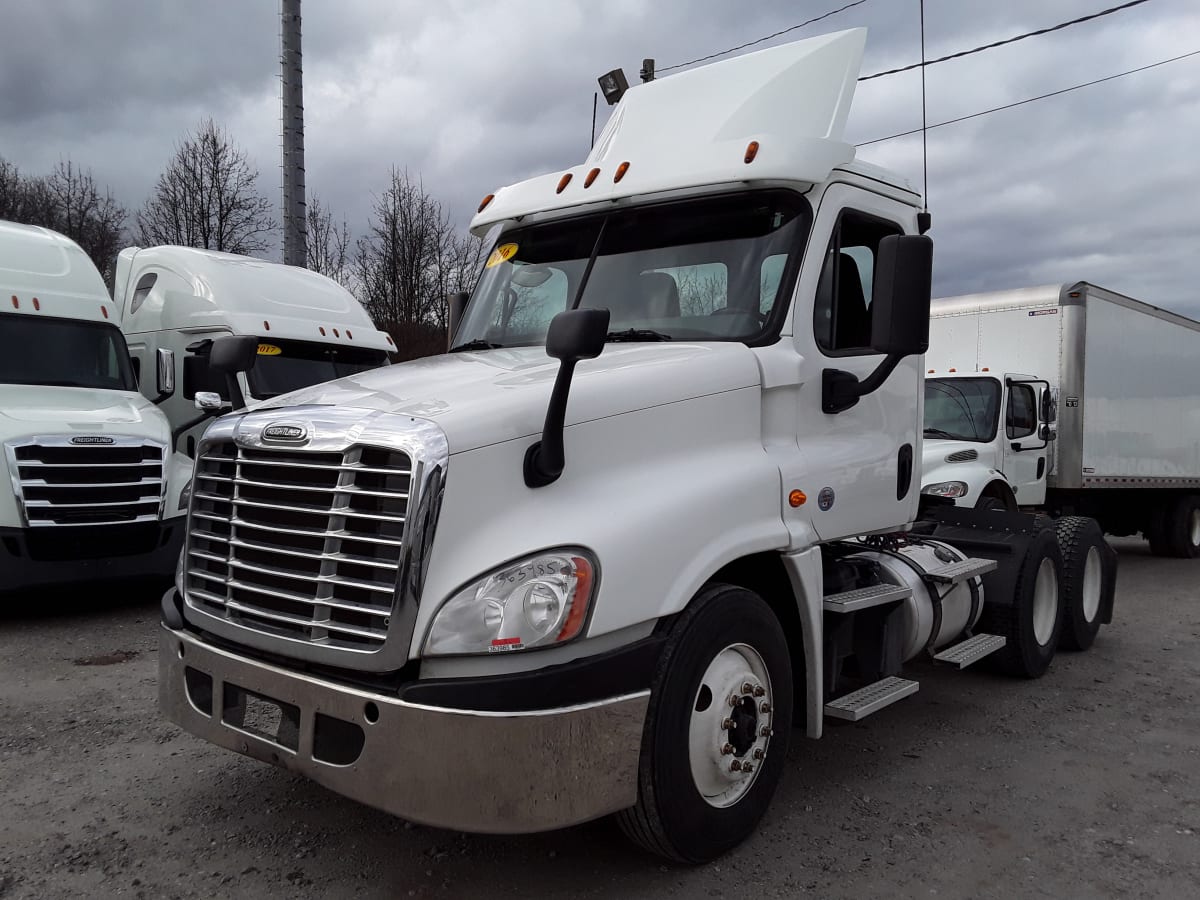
302	545
65	480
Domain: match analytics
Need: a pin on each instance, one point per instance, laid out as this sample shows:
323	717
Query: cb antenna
924	219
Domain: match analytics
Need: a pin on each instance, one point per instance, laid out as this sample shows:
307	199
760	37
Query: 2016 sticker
503	253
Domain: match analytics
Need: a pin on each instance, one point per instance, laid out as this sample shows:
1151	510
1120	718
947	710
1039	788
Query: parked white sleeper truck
1070	399
93	490
602	556
308	328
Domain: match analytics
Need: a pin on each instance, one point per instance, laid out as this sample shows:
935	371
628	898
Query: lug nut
728	724
759	754
747	768
765	707
765	731
759	691
747	687
735	766
733	699
727	749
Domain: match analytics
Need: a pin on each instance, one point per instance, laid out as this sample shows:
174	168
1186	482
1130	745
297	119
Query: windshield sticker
503	253
1044	312
268	350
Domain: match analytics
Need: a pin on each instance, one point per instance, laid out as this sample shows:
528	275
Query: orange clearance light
952	370
984	369
591	176
797	498
390	341
104	309
483	204
931	371
562	183
620	173
349	335
335	333
751	151
16	302
322	327
36	304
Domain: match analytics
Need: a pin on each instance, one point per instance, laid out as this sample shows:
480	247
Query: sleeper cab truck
93	489
656	510
1068	399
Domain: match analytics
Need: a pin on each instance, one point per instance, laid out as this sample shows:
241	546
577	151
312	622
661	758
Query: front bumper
47	557
480	771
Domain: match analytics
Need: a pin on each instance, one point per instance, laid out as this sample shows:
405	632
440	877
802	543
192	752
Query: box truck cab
602	556
309	328
93	490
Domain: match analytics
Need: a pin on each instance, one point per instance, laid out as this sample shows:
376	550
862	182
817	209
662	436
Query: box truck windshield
64	353
710	269
965	409
285	366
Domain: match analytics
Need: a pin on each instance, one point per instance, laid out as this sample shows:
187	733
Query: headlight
532	602
185	495
946	489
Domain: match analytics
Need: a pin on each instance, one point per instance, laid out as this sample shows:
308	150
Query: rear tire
692	805
1033	622
1182	527
1088	580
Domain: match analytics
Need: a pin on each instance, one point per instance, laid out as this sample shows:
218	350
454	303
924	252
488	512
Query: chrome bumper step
870	699
863	598
971	650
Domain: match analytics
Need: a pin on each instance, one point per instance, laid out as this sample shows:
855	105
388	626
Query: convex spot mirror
903	284
233	353
166	372
210	402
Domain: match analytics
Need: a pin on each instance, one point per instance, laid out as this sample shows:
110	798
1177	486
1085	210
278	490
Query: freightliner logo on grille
91	439
285	433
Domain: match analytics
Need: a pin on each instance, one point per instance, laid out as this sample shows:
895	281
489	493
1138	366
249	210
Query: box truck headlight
536	601
946	489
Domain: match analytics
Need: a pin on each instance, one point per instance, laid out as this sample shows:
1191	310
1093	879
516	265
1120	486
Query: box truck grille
296	544
98	481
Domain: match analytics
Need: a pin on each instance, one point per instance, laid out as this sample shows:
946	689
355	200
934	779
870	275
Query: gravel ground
1083	784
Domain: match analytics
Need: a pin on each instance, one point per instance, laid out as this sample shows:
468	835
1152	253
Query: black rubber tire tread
1022	656
1156	531
1178	527
1077	535
671	818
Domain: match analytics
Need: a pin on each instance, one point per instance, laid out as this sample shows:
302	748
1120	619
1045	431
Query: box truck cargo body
1069	397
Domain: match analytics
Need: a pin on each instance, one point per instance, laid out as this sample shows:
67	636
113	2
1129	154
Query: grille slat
61	483
318	564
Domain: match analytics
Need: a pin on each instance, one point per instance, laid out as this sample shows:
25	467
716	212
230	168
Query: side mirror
1049	407
166	373
209	402
1048	433
573	335
900	297
233	353
456	305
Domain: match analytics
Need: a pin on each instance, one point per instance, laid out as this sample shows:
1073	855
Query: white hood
29	410
501	395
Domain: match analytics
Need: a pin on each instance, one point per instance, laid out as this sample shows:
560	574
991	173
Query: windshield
965	409
63	352
285	366
710	269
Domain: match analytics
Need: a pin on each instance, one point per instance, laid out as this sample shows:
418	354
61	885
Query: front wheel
717	728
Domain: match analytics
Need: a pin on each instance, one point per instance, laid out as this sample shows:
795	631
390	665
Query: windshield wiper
937	432
477	344
637	334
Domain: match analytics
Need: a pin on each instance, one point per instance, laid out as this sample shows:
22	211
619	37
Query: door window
842	312
1022	411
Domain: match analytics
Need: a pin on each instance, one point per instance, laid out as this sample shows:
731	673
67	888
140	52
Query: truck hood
500	395
44	409
936	468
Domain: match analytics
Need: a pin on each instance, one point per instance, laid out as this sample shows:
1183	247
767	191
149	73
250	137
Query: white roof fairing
693	128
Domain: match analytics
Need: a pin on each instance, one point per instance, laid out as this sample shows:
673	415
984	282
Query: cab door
1025	453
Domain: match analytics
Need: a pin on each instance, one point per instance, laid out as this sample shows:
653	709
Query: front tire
1034	620
713	751
1088	580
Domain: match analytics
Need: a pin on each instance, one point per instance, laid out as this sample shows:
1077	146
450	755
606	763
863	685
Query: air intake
963	456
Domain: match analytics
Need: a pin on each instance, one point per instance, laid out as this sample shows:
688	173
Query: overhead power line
832	12
1012	40
994	109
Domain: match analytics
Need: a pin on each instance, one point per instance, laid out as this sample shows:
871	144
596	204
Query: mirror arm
841	390
544	461
236	397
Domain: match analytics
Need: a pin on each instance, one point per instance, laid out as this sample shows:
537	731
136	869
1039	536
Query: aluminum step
971	650
872	698
961	570
862	598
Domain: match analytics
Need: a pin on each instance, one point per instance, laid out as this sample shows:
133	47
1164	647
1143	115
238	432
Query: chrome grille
963	456
97	481
299	544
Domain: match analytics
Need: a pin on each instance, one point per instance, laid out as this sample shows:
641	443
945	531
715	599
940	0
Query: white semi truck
308	328
659	505
1070	399
93	490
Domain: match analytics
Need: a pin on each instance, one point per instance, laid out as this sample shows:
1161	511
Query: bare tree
328	244
12	191
207	197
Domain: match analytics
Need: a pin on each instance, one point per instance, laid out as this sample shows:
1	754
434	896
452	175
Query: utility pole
295	241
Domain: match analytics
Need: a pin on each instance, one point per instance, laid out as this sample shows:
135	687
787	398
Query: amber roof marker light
483	204
562	183
751	152
591	177
620	173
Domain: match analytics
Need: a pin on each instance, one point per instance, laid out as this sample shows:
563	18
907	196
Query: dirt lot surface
1083	784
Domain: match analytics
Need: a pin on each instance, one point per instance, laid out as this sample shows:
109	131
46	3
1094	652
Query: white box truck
93	491
1071	399
604	555
309	329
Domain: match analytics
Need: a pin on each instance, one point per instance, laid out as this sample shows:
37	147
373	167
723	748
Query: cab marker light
797	498
36	304
952	370
620	173
591	176
322	327
751	152
484	203
349	335
16	302
562	183
266	325
104	309
335	333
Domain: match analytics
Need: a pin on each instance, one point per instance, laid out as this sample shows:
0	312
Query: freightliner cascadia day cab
1070	399
605	554
93	491
308	328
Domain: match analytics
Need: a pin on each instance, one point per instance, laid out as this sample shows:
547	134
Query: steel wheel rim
1045	602
1093	579
1195	529
719	768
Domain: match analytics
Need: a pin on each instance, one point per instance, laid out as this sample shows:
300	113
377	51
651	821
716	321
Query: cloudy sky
1101	184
